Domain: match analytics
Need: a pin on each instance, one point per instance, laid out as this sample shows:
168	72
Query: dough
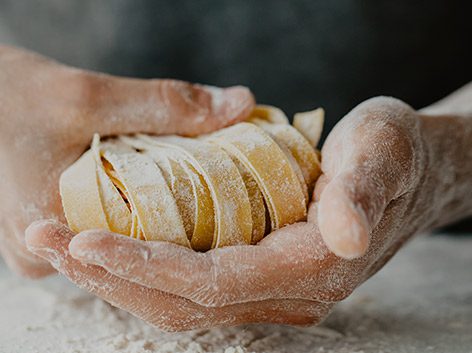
310	124
298	147
230	187
271	169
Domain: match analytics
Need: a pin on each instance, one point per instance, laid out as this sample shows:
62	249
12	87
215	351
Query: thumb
371	161
350	206
124	105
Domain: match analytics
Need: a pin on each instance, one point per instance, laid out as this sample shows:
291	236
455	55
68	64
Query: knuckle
396	141
387	130
385	126
398	136
386	104
385	114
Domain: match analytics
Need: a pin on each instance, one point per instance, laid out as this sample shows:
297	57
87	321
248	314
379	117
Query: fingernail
237	102
346	231
356	237
81	250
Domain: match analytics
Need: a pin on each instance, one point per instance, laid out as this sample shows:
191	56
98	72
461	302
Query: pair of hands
373	195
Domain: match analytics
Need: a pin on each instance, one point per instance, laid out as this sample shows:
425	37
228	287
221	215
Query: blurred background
294	54
297	54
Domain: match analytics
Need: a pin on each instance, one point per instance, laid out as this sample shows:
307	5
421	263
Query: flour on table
421	302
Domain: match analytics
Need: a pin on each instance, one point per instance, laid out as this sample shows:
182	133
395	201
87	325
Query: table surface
420	302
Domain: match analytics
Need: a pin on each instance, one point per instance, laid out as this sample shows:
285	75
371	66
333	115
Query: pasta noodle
229	187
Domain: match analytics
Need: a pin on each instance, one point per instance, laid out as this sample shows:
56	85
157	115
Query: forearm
457	103
447	134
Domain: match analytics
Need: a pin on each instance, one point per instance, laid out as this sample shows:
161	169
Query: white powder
421	302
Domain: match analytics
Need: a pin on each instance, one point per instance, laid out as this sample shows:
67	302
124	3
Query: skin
389	172
48	113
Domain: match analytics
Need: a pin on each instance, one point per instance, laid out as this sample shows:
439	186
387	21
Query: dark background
297	54
294	54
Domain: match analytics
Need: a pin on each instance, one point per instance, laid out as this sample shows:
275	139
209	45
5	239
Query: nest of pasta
230	187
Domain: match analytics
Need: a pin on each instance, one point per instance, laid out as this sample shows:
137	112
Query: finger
369	161
165	266
321	183
169	312
123	105
285	265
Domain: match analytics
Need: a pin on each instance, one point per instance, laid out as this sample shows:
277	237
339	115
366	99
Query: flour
421	302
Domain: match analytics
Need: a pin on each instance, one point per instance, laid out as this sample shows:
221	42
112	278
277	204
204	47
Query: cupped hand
54	242
373	195
48	114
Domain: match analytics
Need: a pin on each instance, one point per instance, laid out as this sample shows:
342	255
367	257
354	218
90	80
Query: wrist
447	174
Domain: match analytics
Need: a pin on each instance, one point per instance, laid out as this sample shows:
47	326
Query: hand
370	199
389	172
52	241
48	114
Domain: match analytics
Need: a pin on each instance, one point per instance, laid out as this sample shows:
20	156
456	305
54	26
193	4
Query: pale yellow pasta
231	187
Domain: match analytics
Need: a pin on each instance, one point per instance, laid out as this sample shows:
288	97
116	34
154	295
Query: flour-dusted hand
50	240
389	172
48	114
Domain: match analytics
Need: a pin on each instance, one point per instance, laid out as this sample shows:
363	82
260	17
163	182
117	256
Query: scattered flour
421	302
